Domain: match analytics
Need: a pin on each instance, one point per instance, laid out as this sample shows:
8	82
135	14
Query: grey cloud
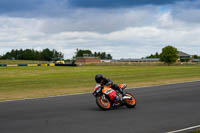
19	5
187	12
118	3
93	20
55	8
33	8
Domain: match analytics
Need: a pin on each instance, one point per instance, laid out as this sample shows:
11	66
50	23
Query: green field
197	131
29	82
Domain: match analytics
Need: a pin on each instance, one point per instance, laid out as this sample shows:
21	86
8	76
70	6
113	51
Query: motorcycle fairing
122	86
109	92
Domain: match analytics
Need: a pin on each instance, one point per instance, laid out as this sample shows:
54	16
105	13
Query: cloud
124	31
33	8
18	5
118	3
129	42
94	20
56	8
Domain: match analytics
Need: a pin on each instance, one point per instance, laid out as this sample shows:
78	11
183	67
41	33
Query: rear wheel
103	102
130	103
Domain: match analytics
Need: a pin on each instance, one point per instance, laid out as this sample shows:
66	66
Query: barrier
65	65
22	64
13	65
51	65
32	65
44	65
3	65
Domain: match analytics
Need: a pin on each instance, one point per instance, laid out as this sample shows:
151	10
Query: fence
29	65
34	65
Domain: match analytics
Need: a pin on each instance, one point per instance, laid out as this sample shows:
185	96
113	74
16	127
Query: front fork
104	98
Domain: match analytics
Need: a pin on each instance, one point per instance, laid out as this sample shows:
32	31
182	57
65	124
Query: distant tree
20	55
109	56
28	54
169	55
157	55
154	56
47	55
95	54
7	56
101	55
195	56
31	54
81	53
57	55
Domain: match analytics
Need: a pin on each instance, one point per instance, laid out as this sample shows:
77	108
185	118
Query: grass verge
196	131
32	82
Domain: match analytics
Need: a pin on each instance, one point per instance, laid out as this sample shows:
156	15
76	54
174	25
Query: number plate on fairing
107	90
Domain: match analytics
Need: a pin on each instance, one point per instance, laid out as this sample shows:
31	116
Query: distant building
195	60
184	57
106	61
87	60
140	60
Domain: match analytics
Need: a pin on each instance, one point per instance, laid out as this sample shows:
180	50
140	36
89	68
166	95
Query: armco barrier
22	64
32	65
65	65
52	65
44	65
12	65
3	65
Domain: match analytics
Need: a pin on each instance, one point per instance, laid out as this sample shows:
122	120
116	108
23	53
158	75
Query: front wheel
103	102
130	103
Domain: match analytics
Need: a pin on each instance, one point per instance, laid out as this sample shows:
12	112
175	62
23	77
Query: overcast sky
123	28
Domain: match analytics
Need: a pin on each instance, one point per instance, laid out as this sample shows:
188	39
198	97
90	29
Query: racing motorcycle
107	98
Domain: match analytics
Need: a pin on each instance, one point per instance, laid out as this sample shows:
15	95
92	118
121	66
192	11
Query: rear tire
130	103
103	104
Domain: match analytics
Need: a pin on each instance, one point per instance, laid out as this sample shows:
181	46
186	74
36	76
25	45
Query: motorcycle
107	98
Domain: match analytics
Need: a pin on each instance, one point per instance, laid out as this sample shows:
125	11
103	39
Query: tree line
49	55
88	53
156	55
169	55
31	54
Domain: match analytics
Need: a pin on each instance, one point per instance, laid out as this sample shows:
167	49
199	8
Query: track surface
159	109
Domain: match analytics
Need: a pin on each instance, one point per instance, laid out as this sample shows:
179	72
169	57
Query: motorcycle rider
105	81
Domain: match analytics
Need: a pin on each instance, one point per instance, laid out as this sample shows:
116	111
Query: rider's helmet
98	78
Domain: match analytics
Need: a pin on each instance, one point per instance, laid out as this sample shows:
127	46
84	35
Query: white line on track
90	92
185	129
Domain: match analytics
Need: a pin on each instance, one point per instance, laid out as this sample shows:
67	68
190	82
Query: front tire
103	103
130	103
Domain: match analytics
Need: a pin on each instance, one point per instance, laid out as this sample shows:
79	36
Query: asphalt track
159	109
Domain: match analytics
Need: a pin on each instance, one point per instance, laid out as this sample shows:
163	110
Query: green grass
197	131
29	82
